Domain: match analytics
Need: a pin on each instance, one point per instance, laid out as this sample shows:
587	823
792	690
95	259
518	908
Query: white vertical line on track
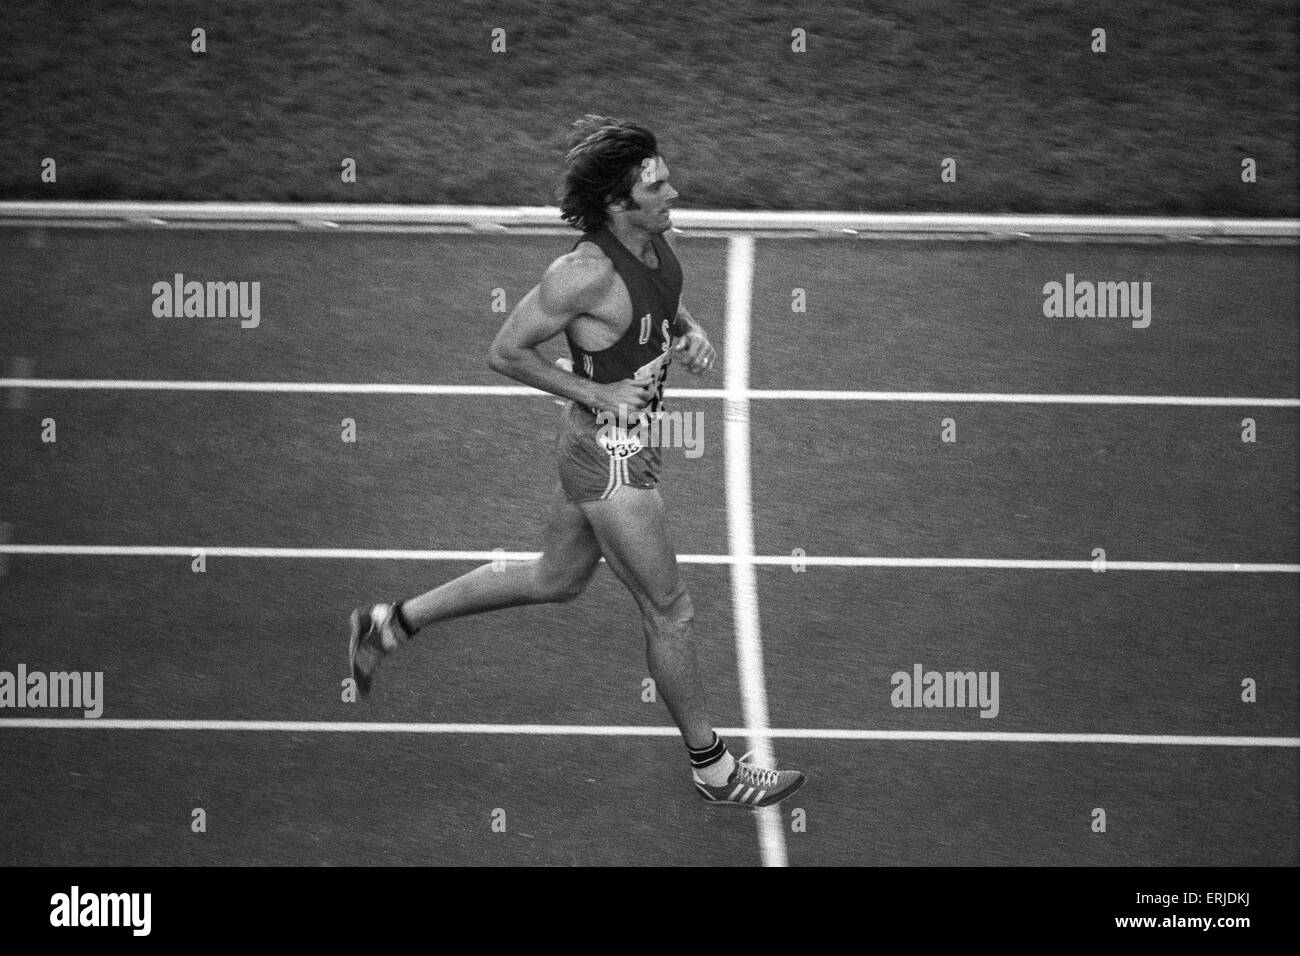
740	532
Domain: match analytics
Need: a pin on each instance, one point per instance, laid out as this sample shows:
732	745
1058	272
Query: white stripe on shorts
614	475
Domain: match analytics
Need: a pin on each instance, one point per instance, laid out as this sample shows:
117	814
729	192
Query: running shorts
594	466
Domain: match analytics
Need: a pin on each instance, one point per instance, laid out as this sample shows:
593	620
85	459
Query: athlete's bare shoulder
577	281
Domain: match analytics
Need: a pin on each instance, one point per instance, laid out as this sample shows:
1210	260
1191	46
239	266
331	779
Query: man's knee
671	613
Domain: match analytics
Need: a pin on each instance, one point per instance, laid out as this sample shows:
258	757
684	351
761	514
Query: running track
1119	690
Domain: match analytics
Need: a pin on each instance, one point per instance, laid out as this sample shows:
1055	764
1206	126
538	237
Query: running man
615	297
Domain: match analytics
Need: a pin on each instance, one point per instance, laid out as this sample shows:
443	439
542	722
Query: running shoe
752	786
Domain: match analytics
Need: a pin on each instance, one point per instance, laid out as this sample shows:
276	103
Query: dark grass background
412	91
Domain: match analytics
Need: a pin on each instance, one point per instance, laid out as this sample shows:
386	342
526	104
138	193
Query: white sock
716	774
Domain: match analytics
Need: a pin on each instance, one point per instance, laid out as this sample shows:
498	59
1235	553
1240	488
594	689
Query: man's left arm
693	346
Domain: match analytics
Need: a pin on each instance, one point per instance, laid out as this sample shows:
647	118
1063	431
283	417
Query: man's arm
685	320
693	346
572	285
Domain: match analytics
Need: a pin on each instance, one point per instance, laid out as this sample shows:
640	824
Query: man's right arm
572	285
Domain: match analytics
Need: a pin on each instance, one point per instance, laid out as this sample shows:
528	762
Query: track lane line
725	394
595	730
735	559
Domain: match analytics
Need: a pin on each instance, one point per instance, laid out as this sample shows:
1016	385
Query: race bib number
620	445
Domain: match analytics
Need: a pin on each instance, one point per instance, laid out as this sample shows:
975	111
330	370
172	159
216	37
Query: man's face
654	195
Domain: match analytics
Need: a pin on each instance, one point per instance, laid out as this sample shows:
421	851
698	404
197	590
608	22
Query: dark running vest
644	348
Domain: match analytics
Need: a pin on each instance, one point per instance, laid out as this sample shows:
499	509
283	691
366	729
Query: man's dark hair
601	167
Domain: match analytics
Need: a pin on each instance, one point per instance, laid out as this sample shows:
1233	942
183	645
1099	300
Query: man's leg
633	535
570	554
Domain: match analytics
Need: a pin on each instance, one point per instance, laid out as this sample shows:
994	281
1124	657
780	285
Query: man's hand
695	350
632	394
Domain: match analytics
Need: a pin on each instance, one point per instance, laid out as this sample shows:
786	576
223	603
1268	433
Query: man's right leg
570	554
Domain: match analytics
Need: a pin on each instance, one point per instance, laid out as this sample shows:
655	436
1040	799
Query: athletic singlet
644	349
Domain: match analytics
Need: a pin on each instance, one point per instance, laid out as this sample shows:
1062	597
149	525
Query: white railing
399	218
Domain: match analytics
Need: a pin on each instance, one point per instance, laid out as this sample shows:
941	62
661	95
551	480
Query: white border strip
740	533
494	218
748	394
736	558
591	730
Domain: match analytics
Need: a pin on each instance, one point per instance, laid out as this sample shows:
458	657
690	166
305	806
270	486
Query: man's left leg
632	533
631	528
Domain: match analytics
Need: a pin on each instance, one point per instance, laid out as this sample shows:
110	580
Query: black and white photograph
644	435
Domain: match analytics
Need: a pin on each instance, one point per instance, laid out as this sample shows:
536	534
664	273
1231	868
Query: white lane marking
1030	398
595	730
752	394
740	532
759	560
324	388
